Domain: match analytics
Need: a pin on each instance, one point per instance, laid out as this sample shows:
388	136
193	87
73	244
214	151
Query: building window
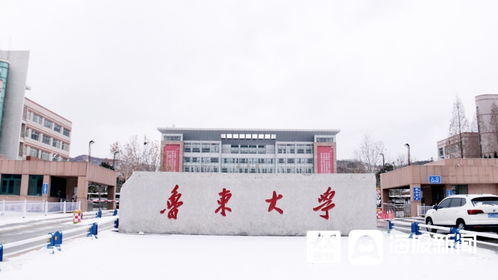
48	124
328	139
35	135
57	128
205	149
65	146
11	184
46	139
37	118
172	138
33	152
66	132
35	185
56	143
45	155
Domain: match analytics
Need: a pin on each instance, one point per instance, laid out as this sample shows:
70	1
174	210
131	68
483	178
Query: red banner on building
171	158
325	159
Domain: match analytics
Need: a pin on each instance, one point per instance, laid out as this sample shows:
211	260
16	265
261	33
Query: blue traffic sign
434	179
45	189
417	193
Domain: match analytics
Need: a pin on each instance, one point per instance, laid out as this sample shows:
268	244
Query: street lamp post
408	148
144	158
383	160
90	150
114	159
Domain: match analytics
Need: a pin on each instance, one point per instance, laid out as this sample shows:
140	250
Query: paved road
26	230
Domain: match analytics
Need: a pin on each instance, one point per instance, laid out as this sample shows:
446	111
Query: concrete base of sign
145	194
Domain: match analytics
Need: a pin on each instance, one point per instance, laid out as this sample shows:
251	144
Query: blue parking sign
434	179
417	193
45	189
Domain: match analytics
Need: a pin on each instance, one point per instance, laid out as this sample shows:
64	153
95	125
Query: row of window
248	136
46	139
201	148
322	139
295	170
47	123
295	160
246	170
37	153
248	160
295	148
248	149
202	159
200	169
11	184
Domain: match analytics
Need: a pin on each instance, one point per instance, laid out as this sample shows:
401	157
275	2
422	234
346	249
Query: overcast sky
388	69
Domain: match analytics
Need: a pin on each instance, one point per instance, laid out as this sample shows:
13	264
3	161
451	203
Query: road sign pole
24	208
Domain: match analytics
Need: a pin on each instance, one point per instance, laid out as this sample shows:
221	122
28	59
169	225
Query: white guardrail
19	247
422	210
23	207
393	224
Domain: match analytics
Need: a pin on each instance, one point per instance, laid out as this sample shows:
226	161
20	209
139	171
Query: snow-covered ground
129	256
15	219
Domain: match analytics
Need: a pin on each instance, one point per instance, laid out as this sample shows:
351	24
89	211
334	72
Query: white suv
476	211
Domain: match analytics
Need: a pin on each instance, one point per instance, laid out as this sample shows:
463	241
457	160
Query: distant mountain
94	160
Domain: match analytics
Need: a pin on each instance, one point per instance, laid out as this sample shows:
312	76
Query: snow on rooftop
129	256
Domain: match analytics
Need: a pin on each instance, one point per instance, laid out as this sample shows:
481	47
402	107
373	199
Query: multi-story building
450	147
30	131
487	121
484	142
248	150
44	134
13	74
27	129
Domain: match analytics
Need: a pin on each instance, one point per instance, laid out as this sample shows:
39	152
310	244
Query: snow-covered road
127	256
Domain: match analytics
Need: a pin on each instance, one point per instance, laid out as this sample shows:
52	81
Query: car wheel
460	224
429	222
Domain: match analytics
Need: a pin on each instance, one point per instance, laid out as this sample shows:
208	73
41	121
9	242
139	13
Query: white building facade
248	150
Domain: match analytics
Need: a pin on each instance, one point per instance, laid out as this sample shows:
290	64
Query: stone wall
145	194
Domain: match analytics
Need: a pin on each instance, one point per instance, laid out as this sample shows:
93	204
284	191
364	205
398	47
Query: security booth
419	187
39	180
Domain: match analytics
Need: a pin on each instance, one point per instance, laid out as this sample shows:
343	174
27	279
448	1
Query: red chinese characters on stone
326	203
273	203
173	203
225	196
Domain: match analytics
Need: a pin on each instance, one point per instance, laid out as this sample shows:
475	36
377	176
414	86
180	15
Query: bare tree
493	122
370	153
136	156
473	124
459	122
